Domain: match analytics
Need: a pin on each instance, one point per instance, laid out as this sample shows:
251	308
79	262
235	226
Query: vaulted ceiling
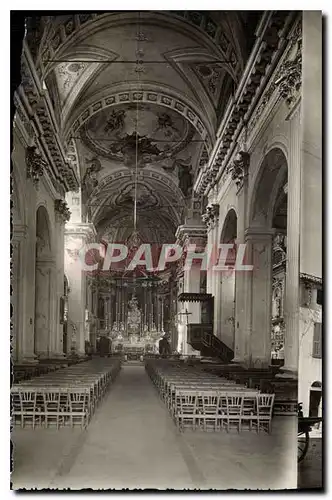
147	89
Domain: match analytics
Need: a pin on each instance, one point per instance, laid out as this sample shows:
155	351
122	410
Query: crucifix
186	313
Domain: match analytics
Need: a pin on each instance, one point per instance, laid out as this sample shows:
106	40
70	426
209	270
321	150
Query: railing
202	334
221	349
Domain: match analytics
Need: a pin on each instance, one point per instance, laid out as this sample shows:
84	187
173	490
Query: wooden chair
79	407
249	412
186	410
16	410
222	410
208	412
52	407
264	411
234	410
28	406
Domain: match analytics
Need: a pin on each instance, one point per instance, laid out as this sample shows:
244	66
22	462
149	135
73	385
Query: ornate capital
211	215
35	164
239	168
62	212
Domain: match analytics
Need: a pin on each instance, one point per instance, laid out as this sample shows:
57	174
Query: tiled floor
132	443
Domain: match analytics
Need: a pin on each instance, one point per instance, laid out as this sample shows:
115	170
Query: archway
43	284
225	310
267	241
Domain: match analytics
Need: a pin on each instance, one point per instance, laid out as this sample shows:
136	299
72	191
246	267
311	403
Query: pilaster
257	287
191	235
292	288
239	171
77	236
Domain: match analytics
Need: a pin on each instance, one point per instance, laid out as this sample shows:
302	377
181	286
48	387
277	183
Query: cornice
268	48
80	229
187	232
35	110
310	278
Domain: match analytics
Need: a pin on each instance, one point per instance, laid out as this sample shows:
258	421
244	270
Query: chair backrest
210	402
234	403
265	404
28	399
188	400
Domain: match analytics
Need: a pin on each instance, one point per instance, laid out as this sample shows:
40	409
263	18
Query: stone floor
310	475
132	443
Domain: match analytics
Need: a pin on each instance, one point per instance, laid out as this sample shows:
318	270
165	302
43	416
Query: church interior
152	130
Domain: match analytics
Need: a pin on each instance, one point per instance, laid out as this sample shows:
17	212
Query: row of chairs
223	409
197	399
66	397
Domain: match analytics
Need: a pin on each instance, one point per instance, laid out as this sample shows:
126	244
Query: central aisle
131	442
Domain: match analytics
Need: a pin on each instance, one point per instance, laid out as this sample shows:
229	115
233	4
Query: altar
132	338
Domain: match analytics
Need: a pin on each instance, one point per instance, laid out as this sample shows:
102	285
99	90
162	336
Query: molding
143	96
19	232
80	229
43	128
267	50
311	279
186	232
259	233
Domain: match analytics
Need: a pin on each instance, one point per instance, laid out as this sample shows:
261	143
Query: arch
269	178
229	227
43	230
145	93
316	385
225	303
168	199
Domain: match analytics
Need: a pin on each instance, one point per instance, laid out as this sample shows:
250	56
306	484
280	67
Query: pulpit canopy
194	297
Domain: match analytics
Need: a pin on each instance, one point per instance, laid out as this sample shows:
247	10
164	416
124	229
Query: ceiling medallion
135	147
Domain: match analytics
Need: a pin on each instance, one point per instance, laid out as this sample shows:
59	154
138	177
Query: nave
132	442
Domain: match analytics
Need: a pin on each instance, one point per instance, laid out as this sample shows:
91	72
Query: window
320	297
317	343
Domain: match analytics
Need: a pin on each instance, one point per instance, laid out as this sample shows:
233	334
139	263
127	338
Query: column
292	286
239	168
226	307
22	345
45	306
311	146
240	280
57	334
191	235
76	237
258	286
105	318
